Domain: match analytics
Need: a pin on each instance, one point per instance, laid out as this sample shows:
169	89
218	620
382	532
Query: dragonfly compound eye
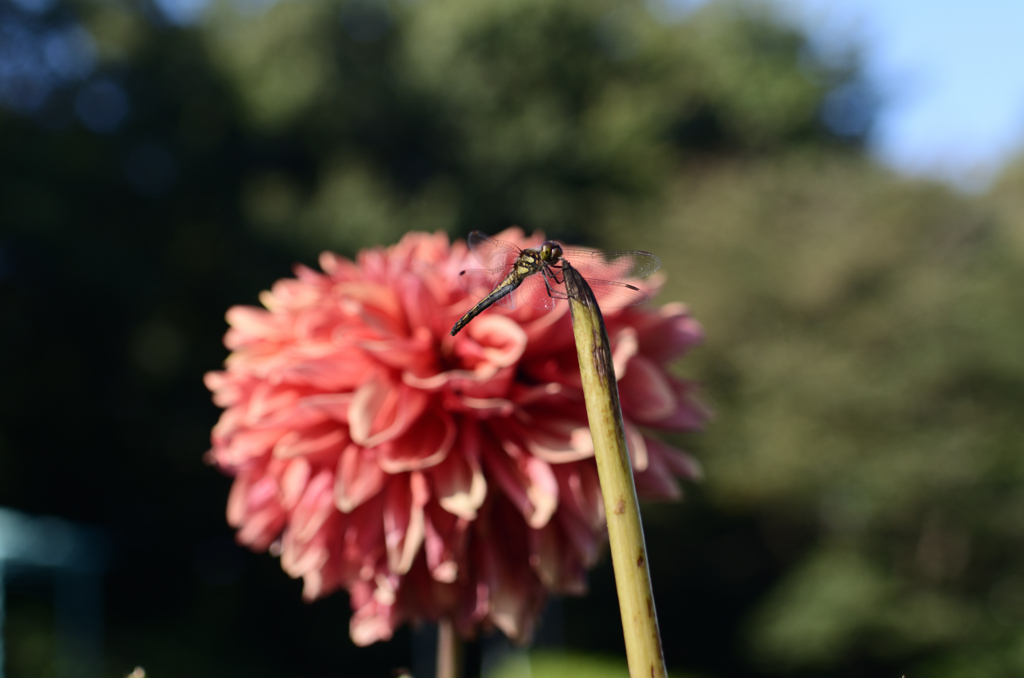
551	251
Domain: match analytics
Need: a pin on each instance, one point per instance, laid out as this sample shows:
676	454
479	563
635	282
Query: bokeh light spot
102	106
150	169
70	54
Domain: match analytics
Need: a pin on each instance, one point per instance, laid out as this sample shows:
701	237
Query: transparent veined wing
480	282
534	293
499	257
611	266
612	294
531	290
492	253
608	293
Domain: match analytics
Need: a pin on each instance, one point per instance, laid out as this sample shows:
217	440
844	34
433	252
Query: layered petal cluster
432	476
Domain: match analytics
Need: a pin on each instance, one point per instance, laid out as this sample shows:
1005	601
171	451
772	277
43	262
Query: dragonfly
534	276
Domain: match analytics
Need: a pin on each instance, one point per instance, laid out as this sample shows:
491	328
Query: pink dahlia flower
432	476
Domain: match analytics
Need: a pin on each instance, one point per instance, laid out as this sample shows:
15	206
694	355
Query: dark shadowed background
863	511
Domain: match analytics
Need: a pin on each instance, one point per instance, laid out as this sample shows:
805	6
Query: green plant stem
449	650
625	533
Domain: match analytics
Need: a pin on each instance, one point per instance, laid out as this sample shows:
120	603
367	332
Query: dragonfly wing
509	300
492	253
534	293
611	294
479	282
610	266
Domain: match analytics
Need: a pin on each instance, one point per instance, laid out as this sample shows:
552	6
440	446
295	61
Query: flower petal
624	346
445	538
334	405
424	444
413	353
556	440
246	446
381	411
556	566
689	415
668	333
371	623
250	324
527	481
315	507
458	481
637	447
580	493
646	392
359	477
325	439
404	521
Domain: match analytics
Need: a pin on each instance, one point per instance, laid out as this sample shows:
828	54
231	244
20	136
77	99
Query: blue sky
951	75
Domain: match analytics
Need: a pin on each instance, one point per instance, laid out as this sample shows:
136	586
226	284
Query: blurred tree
863	359
462	114
121	245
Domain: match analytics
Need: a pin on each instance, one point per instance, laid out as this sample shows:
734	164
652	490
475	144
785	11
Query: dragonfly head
550	252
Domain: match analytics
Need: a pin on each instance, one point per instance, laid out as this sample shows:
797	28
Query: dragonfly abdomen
502	290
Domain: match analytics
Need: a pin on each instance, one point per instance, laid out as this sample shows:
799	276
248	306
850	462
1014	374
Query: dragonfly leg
554	282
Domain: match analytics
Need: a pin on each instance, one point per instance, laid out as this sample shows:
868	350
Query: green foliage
864	361
460	114
548	664
541	664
